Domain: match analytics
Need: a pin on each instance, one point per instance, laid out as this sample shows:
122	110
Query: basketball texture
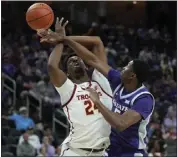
39	16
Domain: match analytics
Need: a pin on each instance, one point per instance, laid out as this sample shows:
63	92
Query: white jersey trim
74	90
130	94
142	132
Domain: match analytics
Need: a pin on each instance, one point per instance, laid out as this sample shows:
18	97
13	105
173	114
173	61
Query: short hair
141	69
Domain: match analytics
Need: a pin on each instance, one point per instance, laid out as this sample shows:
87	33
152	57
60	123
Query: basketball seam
49	20
39	17
31	10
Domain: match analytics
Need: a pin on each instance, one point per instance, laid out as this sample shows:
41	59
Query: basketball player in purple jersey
132	107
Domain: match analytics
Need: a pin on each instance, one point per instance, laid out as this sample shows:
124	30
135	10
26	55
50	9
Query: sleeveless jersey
88	128
134	136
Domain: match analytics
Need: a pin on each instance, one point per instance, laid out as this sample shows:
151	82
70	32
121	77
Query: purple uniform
130	142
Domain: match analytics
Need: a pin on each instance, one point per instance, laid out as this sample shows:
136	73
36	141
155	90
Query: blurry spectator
145	54
46	91
112	54
170	123
58	151
166	66
32	138
154	32
50	150
157	145
42	152
52	137
22	121
25	148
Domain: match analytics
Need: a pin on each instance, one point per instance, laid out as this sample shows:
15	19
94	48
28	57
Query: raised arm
57	76
87	56
94	43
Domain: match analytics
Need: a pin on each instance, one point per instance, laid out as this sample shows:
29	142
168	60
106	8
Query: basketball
39	16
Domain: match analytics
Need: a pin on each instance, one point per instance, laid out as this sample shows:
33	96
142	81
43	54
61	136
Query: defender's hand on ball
51	37
59	28
93	96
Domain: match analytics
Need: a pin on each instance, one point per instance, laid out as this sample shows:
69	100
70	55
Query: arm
120	122
93	42
140	110
87	56
57	76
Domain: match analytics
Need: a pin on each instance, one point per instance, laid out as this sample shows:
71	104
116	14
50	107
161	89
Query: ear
133	75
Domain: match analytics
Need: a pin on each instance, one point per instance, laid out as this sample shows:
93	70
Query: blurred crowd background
33	123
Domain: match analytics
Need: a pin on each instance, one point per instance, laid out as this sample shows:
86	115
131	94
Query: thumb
43	40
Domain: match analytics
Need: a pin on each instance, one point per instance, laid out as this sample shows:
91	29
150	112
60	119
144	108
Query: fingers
64	25
61	21
57	20
47	40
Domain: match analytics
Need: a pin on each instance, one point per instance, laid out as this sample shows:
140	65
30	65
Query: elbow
121	126
51	67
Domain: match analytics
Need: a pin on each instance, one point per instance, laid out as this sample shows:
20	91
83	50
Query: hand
49	36
53	37
93	95
59	28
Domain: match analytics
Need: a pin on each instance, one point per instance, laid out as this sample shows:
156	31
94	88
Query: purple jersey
141	100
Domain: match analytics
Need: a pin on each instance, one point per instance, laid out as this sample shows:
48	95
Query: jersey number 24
89	107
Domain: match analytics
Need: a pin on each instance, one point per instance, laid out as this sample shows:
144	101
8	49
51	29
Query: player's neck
132	87
81	80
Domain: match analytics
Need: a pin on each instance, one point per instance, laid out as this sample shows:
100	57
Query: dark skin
128	78
76	69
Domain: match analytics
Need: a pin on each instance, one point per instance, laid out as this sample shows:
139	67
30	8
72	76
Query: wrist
97	102
65	39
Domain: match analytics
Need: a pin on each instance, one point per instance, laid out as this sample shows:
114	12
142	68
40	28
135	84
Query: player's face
76	67
127	74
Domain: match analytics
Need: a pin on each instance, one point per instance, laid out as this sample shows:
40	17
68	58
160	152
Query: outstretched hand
59	28
48	36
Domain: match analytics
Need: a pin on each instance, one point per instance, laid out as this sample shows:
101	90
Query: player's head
76	69
135	71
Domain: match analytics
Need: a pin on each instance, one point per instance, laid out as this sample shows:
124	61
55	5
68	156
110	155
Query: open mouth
76	65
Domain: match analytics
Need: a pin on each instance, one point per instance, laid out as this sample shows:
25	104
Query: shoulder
144	95
34	137
67	85
143	99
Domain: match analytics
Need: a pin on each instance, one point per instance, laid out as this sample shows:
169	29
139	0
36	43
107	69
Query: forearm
80	50
114	119
55	56
93	43
89	41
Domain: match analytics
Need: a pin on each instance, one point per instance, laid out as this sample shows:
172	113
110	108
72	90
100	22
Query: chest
120	105
122	101
82	108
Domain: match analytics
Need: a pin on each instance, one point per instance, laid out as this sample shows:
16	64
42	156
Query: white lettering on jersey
119	107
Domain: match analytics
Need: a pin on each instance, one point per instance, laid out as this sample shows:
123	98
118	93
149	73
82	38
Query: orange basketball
39	16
